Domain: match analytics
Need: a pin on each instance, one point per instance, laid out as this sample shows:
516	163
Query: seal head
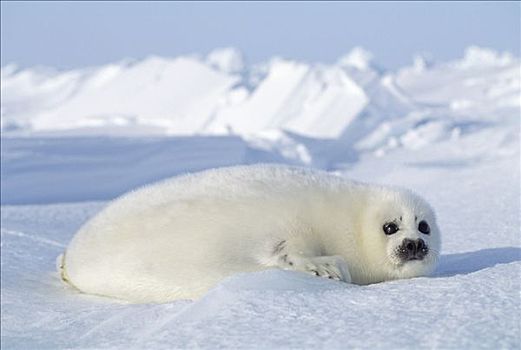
402	238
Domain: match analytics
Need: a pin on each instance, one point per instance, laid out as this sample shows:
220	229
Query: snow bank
317	102
297	113
221	94
50	170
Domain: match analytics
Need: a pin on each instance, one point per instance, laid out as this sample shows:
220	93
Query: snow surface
450	131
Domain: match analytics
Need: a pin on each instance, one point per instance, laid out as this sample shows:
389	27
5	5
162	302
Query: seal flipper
60	267
328	266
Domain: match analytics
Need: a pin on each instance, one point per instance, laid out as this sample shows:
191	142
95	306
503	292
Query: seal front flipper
328	266
332	267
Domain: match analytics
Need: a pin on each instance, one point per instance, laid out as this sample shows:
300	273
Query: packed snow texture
450	131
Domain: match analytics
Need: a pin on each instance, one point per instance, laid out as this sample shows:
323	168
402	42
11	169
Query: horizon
204	56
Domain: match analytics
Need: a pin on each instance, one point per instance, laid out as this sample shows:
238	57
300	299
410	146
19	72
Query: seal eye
390	228
423	227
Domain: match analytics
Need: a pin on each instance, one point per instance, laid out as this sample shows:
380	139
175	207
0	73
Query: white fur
179	237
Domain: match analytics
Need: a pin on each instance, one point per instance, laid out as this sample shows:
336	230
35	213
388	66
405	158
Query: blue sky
76	34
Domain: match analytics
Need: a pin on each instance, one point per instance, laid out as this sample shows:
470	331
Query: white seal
179	237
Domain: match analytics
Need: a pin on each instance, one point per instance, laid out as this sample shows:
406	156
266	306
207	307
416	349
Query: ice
228	59
73	140
358	57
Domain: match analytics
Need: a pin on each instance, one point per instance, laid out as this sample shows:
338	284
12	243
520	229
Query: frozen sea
441	141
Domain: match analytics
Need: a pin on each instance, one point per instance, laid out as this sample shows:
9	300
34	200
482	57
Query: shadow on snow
469	262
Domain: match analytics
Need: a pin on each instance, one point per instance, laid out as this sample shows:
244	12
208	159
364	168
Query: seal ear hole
424	227
390	228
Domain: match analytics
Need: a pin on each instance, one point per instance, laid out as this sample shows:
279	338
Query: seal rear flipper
60	267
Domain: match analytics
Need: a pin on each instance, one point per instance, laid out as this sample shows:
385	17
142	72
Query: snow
228	59
358	57
71	141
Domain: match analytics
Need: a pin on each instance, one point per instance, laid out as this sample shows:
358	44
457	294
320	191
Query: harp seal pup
177	238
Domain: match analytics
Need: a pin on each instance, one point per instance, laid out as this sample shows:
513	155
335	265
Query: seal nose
413	249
